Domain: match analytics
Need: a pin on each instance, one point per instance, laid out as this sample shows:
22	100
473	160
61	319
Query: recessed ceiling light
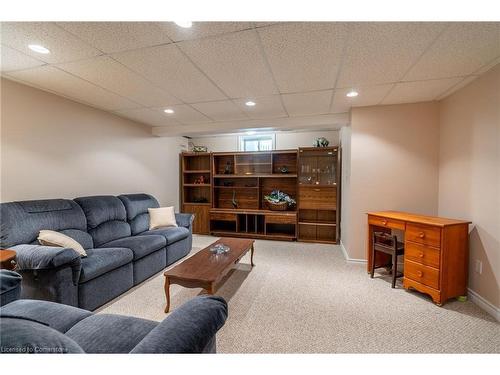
39	49
184	24
250	104
251	132
352	94
169	111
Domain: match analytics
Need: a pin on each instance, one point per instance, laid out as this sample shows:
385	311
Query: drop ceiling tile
464	82
419	91
169	69
382	52
461	50
119	36
265	108
234	62
224	110
203	29
63	46
308	103
368	95
62	83
185	114
15	60
105	72
148	116
304	56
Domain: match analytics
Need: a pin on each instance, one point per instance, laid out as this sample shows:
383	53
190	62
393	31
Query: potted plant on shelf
279	201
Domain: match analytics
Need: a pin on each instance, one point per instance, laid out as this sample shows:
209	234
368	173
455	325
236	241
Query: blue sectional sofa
114	231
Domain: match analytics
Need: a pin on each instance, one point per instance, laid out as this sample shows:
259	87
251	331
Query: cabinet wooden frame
194	165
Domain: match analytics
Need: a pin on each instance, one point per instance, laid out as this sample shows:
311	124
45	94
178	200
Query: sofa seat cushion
55	315
140	245
105	333
102	260
171	234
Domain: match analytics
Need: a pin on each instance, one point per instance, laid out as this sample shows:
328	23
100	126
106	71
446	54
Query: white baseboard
348	258
484	304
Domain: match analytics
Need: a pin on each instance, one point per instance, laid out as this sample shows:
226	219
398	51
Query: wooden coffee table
205	269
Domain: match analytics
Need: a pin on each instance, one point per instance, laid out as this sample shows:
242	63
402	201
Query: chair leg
372	271
394	268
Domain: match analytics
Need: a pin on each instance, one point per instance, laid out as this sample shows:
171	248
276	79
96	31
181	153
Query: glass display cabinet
319	194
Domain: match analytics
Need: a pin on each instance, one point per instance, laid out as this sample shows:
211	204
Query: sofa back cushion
137	206
106	218
22	221
20	335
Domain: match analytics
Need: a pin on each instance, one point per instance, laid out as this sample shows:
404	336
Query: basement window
257	142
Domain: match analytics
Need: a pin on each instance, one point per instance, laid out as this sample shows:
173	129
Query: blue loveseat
33	326
114	231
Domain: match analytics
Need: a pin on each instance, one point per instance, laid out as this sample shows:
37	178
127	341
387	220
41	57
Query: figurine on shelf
200	180
321	142
200	149
284	169
233	201
227	168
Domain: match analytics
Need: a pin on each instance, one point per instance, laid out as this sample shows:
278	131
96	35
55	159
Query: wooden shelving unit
240	182
230	199
196	196
319	194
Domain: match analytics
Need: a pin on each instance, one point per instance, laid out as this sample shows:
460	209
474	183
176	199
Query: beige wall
345	197
469	174
394	166
284	140
52	147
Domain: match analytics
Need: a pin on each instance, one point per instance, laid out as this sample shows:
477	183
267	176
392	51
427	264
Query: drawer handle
421	255
421	234
420	273
317	189
384	222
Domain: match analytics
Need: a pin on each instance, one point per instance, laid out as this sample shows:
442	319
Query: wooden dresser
436	252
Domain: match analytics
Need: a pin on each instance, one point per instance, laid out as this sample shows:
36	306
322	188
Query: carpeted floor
305	298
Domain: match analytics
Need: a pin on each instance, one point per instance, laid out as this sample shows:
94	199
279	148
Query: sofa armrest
184	220
37	257
188	329
10	286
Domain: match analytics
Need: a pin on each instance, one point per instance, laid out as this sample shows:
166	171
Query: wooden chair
388	244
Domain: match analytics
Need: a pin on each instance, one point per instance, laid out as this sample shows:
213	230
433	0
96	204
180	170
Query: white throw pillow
52	238
161	217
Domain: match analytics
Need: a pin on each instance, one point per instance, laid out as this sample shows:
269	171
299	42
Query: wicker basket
281	206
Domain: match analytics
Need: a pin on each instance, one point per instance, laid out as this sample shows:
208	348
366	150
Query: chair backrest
106	218
384	240
21	222
137	206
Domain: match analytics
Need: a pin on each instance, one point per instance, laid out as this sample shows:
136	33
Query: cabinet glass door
317	167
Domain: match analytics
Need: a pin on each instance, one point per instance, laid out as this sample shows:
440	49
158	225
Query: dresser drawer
422	254
423	274
424	234
222	216
384	222
281	219
317	198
